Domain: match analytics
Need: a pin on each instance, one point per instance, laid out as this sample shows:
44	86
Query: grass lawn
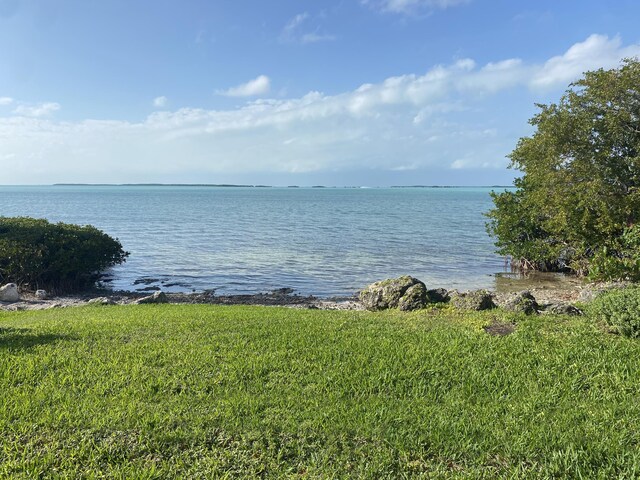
207	392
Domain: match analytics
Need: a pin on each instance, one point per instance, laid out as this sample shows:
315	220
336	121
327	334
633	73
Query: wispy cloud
297	30
203	36
6	100
414	122
39	110
292	26
260	85
315	37
160	102
412	6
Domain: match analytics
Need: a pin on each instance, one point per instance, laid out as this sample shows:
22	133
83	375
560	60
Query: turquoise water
319	241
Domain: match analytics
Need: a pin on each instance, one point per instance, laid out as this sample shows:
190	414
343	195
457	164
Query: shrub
619	308
58	257
620	259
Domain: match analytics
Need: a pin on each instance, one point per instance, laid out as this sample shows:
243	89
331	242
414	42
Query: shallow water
320	241
515	282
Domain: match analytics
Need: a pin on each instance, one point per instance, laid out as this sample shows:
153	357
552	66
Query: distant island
158	185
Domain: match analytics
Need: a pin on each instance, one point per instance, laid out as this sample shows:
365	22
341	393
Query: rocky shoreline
545	298
282	298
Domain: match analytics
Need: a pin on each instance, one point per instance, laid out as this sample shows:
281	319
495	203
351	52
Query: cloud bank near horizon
404	123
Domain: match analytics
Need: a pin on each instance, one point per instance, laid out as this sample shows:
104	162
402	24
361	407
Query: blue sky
351	92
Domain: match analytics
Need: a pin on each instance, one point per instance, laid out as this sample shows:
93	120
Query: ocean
317	241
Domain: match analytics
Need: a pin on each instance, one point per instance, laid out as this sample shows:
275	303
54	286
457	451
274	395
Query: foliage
57	257
619	308
620	258
200	391
577	203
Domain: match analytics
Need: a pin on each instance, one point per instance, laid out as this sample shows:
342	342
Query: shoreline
283	297
545	294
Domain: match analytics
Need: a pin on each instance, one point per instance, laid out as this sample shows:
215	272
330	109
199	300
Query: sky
289	92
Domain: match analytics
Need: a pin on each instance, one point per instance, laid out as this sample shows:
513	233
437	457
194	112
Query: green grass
226	392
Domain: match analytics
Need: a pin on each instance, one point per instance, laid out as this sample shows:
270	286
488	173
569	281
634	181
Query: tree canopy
577	204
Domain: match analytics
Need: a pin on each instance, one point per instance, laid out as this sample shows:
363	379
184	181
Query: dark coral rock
390	293
563	309
414	298
522	302
474	300
437	295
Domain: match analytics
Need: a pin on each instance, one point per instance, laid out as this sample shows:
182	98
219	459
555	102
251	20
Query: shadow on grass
24	338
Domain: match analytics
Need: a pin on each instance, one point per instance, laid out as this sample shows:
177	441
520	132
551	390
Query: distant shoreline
229	185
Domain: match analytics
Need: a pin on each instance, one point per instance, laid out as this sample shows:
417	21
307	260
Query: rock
158	297
587	294
9	293
590	292
388	294
41	294
474	300
101	301
437	295
414	298
563	309
522	302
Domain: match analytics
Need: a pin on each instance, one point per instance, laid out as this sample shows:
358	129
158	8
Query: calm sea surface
320	241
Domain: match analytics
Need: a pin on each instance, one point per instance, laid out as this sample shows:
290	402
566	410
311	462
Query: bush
58	257
619	308
620	259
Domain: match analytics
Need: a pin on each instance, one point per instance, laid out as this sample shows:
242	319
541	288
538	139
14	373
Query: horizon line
233	185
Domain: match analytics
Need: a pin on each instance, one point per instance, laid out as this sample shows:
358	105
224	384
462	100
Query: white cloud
160	102
40	110
258	86
412	6
597	51
294	31
6	100
444	118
